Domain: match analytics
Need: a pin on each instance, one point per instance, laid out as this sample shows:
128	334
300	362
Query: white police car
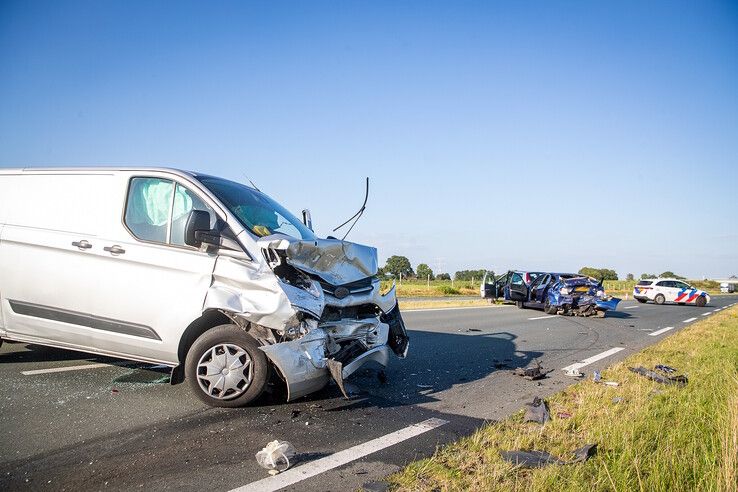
661	290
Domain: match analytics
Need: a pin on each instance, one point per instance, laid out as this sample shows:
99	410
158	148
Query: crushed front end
337	319
581	296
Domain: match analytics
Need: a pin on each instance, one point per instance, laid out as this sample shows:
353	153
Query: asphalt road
116	426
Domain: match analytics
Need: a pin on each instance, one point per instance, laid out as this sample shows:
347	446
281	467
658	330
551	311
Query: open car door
518	291
487	289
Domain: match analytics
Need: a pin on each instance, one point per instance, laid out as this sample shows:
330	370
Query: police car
661	290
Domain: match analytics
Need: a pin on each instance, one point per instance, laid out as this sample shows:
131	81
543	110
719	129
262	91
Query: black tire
548	308
659	299
642	301
233	336
520	304
700	301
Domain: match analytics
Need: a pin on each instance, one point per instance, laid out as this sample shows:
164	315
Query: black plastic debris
532	373
659	378
539	459
665	369
537	411
375	487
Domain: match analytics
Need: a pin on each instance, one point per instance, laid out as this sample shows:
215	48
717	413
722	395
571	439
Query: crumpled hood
334	261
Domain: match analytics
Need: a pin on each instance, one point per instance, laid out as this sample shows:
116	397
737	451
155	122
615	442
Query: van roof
65	170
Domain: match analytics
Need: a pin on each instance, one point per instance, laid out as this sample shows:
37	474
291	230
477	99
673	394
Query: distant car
662	290
493	287
727	288
562	293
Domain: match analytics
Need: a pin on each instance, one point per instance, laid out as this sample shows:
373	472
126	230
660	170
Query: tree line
400	267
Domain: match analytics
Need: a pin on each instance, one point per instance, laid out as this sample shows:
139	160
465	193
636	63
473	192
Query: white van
208	276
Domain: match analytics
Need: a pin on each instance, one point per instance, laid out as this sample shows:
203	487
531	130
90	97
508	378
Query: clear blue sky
540	135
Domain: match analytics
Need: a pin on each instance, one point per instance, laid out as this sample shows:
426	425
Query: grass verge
446	303
657	437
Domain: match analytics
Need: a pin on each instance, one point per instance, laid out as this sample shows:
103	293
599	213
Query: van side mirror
307	219
197	229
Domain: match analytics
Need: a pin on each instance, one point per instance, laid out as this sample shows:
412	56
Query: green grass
659	438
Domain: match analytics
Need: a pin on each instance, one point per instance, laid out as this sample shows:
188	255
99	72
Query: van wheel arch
209	319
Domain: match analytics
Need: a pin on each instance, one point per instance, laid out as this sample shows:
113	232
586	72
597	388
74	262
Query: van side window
148	209
154	213
184	202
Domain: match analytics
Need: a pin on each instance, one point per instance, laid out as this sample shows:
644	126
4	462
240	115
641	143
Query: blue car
562	293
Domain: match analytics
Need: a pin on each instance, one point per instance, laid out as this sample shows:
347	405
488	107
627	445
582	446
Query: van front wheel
225	368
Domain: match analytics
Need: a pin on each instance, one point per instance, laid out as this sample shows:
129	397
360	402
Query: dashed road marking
631	307
541	317
662	330
594	358
64	369
716	310
689	320
706	314
308	470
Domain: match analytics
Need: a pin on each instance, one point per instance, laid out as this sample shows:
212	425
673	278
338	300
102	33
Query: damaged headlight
600	293
565	291
291	275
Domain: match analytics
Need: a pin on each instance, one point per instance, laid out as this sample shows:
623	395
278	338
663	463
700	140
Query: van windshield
257	212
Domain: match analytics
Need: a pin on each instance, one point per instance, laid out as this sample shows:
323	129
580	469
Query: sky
533	135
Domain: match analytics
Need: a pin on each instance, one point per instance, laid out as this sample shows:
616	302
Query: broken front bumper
337	349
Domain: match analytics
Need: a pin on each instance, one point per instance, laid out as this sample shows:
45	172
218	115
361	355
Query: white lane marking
715	311
300	473
706	314
631	307
662	330
689	320
64	369
594	358
449	308
542	317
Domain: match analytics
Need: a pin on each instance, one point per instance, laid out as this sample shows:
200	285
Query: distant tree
424	271
398	265
648	275
380	272
630	277
599	273
470	274
668	274
443	276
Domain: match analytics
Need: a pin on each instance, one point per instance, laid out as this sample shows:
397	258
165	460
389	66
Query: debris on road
573	372
612	383
532	373
275	457
617	399
563	415
661	379
537	411
665	369
539	459
596	377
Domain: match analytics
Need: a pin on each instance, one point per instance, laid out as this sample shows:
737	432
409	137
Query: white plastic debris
574	373
276	456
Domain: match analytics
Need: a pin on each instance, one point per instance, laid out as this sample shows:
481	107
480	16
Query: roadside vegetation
649	436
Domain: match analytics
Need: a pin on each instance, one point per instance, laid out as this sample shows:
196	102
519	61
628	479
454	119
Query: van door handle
114	250
84	244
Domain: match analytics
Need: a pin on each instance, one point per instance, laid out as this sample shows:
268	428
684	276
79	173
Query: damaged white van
208	276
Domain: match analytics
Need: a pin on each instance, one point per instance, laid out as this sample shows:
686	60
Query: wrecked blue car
561	293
